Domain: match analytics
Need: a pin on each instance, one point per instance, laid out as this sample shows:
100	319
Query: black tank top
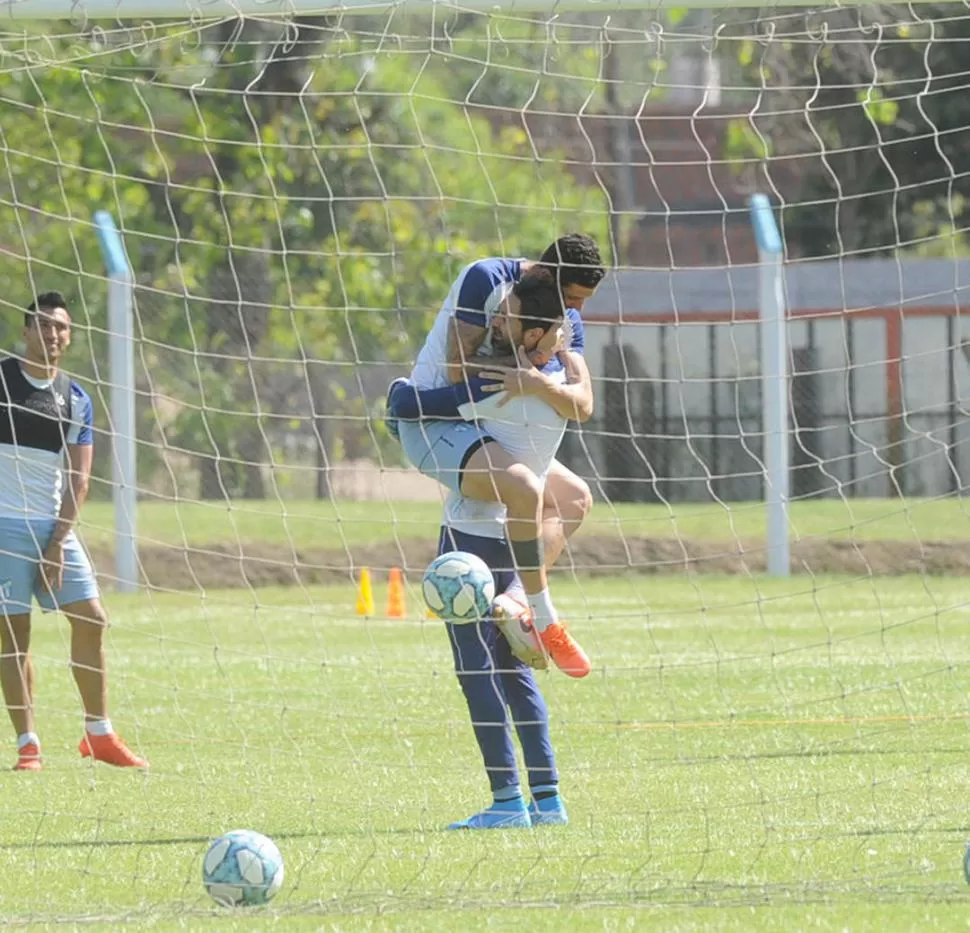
32	417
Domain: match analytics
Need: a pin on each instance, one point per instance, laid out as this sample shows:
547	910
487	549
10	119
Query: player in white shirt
507	478
45	419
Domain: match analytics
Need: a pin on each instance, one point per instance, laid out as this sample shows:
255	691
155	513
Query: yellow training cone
365	594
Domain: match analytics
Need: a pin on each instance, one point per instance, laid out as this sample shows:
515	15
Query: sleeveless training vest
32	417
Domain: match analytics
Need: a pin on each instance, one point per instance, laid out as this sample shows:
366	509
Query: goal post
121	376
775	394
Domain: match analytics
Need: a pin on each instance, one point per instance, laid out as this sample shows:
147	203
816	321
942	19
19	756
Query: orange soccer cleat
28	758
564	650
111	750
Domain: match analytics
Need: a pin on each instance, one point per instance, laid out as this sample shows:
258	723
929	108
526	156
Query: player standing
44	416
495	682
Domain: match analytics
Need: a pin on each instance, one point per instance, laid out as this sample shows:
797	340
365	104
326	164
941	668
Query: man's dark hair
575	259
48	301
541	301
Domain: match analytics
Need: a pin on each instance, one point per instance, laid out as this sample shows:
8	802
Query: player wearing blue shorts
497	684
478	333
45	418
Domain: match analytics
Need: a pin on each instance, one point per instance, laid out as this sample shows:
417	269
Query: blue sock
544	791
506	795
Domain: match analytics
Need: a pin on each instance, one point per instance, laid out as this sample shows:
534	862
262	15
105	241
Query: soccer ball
242	868
459	587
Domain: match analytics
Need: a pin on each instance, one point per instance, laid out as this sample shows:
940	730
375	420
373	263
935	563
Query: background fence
877	394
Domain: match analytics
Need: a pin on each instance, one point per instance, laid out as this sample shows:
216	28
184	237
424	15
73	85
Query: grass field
313	523
747	755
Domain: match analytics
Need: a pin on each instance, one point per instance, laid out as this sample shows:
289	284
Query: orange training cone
396	607
365	594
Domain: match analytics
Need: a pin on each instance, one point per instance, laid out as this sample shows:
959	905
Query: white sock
99	727
517	591
26	738
543	611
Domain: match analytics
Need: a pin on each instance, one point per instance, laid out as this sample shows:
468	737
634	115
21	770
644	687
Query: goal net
295	197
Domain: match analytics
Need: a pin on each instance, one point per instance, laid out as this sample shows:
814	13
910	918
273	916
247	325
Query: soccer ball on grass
459	587
242	868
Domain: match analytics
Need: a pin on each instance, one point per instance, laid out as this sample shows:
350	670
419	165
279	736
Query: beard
501	344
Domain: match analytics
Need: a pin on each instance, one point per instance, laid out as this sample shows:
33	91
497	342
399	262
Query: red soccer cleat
28	758
111	750
565	651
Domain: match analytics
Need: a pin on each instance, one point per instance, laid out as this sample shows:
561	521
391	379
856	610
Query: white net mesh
295	199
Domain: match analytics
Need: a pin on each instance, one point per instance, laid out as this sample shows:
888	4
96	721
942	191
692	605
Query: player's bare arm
463	361
79	460
572	399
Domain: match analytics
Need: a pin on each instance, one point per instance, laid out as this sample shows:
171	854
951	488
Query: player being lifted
469	335
494	682
44	416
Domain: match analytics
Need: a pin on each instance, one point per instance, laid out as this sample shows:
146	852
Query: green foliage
261	224
878	137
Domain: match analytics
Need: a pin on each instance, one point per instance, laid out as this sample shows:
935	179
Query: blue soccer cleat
389	420
503	814
550	811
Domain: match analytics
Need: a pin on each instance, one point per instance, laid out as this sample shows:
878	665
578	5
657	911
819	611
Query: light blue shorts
440	449
22	543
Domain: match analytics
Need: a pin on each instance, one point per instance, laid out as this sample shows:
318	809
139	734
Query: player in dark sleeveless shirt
45	426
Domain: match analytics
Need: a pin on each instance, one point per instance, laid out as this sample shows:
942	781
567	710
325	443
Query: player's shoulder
80	400
78	393
495	269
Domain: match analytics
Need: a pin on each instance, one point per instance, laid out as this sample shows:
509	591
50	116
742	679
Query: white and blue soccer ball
242	868
459	587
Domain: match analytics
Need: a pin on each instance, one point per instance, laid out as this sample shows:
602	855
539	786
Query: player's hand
539	358
523	379
51	568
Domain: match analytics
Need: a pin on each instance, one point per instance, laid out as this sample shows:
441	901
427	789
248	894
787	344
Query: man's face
508	332
574	296
48	335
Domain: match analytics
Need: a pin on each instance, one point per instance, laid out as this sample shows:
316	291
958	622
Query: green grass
747	755
313	524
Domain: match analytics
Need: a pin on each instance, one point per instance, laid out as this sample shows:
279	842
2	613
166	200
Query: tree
865	121
295	201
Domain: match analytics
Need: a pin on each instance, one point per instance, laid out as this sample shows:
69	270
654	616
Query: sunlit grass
747	754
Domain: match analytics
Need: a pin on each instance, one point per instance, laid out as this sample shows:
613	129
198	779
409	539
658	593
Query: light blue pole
121	370
774	382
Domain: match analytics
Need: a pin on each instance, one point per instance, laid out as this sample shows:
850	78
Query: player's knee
571	499
582	498
521	492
